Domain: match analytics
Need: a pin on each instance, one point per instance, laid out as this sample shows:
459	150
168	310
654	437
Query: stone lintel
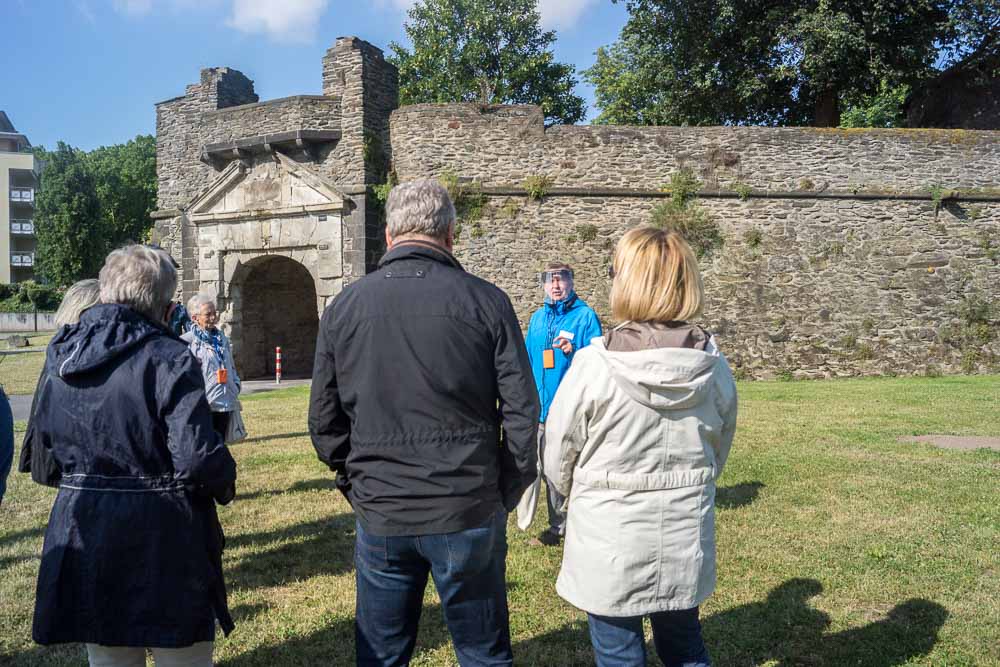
264	214
165	213
264	143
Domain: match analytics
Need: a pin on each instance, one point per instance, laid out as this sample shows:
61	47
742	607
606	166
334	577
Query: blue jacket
571	315
133	547
6	441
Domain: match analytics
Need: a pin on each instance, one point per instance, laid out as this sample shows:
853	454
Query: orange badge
548	358
222	375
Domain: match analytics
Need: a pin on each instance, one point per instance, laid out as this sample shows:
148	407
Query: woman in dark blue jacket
133	549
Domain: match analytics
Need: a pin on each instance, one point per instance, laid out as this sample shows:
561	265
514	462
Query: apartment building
18	184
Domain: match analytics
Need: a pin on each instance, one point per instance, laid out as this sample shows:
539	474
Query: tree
125	180
71	242
487	51
769	62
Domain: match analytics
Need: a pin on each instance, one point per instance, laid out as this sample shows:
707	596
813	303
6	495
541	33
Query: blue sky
89	71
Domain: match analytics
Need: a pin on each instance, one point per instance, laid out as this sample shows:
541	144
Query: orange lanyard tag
222	376
548	358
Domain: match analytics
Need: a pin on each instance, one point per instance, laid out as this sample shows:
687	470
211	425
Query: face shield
558	283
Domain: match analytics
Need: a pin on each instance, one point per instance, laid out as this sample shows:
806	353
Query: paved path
21	406
956	441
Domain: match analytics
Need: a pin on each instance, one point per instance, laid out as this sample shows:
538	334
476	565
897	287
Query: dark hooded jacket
133	549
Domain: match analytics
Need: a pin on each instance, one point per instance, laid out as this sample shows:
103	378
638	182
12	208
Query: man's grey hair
80	296
419	207
195	303
140	277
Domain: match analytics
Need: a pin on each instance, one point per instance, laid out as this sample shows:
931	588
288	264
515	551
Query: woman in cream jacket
640	430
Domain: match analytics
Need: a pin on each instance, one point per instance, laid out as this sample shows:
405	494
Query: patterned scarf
213	338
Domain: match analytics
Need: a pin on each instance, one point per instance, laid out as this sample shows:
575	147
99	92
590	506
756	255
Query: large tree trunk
827	109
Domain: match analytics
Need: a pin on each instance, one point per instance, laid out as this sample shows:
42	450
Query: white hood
666	378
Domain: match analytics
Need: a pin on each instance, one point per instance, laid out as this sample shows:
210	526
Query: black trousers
220	422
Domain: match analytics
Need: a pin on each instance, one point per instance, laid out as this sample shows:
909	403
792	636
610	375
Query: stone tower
266	205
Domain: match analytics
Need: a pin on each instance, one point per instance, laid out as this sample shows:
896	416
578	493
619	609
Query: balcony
26	195
22	259
22	227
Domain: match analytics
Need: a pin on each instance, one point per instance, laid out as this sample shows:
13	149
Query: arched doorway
278	308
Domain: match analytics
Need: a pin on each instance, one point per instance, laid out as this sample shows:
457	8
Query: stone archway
277	309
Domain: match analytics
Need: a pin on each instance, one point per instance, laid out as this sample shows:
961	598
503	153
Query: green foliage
586	232
510	209
987	245
486	51
72	238
91	203
936	192
468	198
537	186
775	62
29	296
125	182
865	352
382	190
881	109
682	214
806	184
753	238
742	190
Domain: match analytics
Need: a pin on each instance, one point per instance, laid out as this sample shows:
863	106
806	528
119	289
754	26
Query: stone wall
836	261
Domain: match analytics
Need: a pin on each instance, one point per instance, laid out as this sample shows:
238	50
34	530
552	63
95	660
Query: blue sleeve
6	441
590	328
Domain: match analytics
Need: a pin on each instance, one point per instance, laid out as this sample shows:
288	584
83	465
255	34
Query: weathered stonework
242	183
845	252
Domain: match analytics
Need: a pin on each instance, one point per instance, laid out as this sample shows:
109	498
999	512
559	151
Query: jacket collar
562	306
422	249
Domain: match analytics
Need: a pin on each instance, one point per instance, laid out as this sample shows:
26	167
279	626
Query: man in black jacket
424	405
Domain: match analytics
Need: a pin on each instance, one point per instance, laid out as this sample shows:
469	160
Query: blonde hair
79	297
656	277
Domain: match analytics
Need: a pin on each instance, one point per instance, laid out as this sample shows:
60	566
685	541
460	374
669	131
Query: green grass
19	372
837	544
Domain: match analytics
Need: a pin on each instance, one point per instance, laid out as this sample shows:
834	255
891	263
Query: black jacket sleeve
329	425
201	458
36	458
519	410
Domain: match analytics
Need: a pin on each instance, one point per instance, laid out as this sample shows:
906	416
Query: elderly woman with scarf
211	348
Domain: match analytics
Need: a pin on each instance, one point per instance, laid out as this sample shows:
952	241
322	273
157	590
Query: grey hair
140	277
79	297
195	303
419	207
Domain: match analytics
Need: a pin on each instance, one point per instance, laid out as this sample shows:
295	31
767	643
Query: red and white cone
277	365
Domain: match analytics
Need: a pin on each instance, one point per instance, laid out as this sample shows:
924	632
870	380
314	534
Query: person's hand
563	344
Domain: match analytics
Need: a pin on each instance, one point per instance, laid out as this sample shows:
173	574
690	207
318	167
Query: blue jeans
619	642
6	441
470	571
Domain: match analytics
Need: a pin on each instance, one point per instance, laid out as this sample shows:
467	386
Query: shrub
753	238
683	215
537	186
586	232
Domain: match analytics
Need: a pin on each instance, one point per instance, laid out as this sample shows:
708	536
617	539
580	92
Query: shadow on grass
568	646
740	495
334	644
265	438
305	550
318	484
783	628
19	535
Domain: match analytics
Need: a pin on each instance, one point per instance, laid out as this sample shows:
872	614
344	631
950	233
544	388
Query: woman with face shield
562	326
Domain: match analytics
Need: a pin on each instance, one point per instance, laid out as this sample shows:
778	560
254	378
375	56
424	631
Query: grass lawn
837	544
19	372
